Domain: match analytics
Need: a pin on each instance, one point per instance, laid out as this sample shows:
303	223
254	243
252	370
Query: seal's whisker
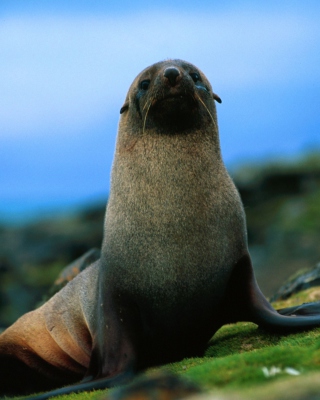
153	95
147	104
145	117
202	102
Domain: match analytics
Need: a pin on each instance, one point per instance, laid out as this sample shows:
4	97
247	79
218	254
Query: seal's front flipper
311	309
19	379
102	383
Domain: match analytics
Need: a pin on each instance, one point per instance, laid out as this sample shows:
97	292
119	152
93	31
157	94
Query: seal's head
169	97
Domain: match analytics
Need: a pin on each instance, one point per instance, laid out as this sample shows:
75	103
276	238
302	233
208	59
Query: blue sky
66	66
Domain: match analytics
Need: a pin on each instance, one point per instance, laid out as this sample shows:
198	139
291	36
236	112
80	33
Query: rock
298	283
159	386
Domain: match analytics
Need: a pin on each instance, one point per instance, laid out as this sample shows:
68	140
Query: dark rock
160	386
298	283
73	269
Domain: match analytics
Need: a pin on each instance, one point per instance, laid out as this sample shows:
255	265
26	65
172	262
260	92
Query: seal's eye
195	77
144	85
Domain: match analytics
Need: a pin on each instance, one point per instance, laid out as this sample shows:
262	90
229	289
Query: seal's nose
171	73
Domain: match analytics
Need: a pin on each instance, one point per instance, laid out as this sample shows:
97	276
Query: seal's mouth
173	106
174	96
172	112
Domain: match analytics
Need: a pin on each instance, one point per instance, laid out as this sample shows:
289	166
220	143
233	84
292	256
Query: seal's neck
165	171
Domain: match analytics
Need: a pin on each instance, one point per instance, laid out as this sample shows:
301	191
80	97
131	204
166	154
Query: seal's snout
172	74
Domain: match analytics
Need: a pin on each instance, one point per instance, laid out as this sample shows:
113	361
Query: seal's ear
124	108
216	98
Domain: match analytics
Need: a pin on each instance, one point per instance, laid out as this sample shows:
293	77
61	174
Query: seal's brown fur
174	265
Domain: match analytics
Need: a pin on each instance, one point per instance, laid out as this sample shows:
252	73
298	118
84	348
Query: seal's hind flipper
305	309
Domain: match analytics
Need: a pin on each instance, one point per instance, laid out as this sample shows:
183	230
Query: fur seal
174	264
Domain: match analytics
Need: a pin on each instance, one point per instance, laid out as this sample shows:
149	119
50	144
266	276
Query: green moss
238	338
245	369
